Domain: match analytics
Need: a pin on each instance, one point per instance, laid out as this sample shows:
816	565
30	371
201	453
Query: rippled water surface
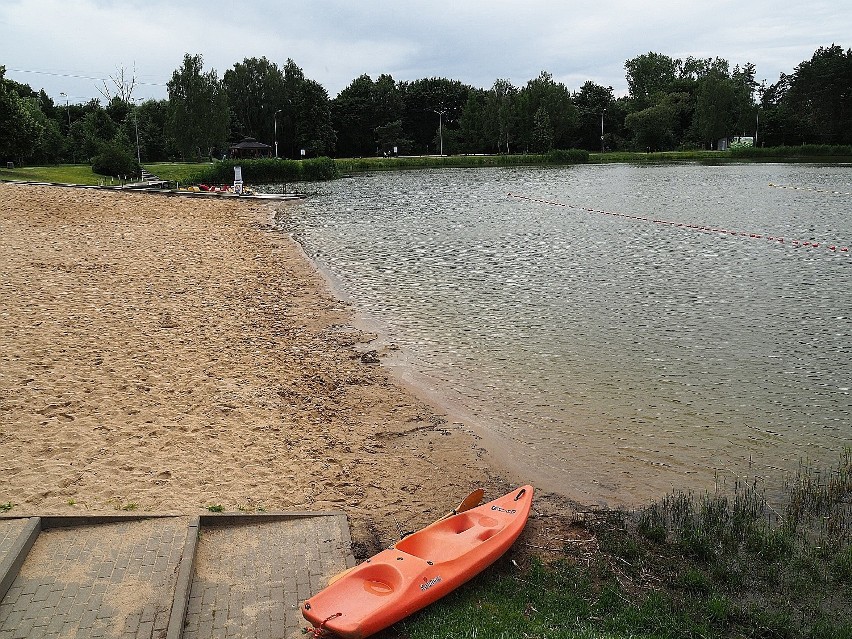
611	357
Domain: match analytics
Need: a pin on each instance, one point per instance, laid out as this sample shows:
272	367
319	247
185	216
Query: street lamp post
68	112
756	125
440	129
136	124
602	131
275	118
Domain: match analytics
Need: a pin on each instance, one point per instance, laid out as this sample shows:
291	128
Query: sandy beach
160	353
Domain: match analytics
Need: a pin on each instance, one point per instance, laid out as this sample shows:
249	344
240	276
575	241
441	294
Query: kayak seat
378	579
450	538
488	533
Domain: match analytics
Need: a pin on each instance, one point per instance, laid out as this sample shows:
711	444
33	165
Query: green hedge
567	156
269	171
559	156
802	151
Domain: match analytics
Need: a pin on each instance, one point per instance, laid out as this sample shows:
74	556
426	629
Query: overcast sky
67	45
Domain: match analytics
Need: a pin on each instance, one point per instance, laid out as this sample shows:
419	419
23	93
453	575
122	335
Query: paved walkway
165	577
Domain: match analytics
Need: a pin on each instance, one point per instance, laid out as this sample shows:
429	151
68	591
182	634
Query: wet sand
159	353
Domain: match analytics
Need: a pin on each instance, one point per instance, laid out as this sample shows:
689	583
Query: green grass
807	152
82	173
181	172
802	153
634	157
711	565
63	173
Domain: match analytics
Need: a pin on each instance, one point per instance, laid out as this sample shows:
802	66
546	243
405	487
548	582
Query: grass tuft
708	565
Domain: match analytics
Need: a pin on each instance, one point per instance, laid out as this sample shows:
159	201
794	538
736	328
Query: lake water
604	354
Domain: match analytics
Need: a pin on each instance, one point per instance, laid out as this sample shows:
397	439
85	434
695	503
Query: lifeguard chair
238	180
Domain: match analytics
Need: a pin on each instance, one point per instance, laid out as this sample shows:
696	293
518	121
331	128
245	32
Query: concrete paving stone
146	630
15	618
118	579
53	599
252	569
28	588
132	621
24	630
21	603
205	628
10	530
13	593
148	614
220	617
54	625
82	576
88	619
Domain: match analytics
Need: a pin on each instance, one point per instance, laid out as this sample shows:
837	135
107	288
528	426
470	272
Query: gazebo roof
250	143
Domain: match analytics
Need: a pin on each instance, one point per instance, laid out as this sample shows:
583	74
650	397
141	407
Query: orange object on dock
419	569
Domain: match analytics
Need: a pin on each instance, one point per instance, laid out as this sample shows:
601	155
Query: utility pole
275	118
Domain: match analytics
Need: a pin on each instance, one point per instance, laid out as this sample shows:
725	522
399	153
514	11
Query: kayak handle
520	494
319	631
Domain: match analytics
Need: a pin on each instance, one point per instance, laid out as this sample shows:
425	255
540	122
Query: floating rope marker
807	188
834	248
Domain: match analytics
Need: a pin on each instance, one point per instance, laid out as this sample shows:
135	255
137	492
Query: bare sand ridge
170	354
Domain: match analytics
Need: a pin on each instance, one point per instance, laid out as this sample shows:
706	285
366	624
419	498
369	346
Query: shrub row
269	171
556	157
802	151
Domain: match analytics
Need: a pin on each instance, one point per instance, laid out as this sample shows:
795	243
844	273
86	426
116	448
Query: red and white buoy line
808	188
835	248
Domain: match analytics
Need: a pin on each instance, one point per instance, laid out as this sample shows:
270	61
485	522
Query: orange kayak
419	569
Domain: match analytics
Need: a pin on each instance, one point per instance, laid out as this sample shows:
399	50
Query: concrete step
165	575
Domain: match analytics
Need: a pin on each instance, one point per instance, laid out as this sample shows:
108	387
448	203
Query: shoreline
162	353
500	453
495	449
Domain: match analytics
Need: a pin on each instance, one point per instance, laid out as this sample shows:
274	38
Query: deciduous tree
593	101
555	100
19	128
255	90
199	109
501	115
649	76
820	92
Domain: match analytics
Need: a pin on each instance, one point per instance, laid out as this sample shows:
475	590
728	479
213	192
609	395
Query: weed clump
723	564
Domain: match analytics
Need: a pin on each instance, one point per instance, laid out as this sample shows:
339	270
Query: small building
250	148
737	141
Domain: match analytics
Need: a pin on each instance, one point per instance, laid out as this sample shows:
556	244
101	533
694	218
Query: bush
269	171
567	156
115	160
802	151
557	157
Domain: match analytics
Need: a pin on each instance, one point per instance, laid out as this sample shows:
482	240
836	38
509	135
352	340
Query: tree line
672	104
